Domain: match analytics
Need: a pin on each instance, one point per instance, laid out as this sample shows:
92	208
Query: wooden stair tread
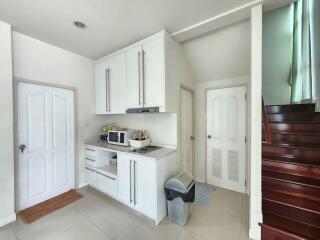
302	180
296	133
315	146
293	201
291	189
293	160
273	233
304	230
291	108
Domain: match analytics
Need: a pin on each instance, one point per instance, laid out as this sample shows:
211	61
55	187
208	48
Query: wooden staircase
291	172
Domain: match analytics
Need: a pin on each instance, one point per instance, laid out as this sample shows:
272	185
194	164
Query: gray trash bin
180	193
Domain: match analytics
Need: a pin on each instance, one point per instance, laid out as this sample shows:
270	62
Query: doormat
40	210
203	194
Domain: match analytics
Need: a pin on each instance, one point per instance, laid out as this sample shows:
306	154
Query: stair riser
311	172
291	138
291	189
294	117
312	154
291	212
294	128
291	108
298	228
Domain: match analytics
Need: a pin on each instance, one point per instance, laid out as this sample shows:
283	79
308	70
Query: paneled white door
46	142
226	111
186	133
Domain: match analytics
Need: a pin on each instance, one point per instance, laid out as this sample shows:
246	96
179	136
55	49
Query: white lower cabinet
91	176
137	183
106	184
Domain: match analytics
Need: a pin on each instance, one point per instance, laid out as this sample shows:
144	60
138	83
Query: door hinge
245	139
245	183
245	96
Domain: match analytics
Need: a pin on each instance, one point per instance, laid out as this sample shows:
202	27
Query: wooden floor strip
35	212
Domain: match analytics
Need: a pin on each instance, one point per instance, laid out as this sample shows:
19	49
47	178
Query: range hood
143	110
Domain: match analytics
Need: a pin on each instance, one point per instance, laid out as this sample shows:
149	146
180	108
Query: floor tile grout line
66	230
91	222
14	232
197	234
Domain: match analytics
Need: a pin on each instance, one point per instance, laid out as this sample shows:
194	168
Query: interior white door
46	142
226	111
187	132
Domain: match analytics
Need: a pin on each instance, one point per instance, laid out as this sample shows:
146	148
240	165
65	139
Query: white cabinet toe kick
136	181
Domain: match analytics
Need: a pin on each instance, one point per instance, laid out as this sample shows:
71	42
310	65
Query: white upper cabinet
110	85
134	77
141	75
153	77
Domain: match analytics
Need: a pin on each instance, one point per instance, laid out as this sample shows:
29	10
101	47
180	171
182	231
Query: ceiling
111	24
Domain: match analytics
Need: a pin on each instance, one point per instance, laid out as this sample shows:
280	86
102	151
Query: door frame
16	81
245	85
186	88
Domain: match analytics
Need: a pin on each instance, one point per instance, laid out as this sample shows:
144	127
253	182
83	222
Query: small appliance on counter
104	132
120	137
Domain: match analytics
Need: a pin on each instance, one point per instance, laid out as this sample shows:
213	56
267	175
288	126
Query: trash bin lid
180	183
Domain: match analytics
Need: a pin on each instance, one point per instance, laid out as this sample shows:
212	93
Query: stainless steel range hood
143	110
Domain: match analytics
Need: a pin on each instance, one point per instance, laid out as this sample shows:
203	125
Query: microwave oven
120	137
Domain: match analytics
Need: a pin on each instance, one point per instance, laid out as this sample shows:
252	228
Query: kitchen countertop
156	154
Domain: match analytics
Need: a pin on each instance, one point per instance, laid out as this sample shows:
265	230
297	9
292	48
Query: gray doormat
203	194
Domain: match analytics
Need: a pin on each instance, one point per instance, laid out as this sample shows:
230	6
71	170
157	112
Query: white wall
277	38
201	119
217	59
39	61
220	54
6	128
255	124
162	127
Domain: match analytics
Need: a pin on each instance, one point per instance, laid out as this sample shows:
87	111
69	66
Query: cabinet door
124	178
117	84
134	77
101	87
153	70
91	176
144	186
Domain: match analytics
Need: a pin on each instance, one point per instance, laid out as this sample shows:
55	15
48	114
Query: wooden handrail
265	125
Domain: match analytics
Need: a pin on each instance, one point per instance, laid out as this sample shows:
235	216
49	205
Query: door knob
209	136
22	147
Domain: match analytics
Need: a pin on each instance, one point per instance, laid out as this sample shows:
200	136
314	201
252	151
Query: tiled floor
97	217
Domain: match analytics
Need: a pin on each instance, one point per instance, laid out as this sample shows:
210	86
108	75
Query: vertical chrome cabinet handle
109	89
106	76
139	71
143	99
134	182
130	182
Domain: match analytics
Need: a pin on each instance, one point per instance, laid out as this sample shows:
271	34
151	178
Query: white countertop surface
156	154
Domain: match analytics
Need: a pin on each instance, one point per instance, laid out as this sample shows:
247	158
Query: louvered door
226	111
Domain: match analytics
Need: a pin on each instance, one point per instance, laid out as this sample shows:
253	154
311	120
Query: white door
134	77
46	139
226	111
153	85
144	185
187	132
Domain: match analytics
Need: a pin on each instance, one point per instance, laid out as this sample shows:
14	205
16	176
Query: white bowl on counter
139	143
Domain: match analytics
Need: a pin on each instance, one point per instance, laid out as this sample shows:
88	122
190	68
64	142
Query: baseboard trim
81	185
6	220
199	179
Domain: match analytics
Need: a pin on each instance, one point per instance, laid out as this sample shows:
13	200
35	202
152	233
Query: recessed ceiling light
79	24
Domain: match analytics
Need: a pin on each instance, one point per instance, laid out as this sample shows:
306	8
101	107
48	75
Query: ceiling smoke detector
79	24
